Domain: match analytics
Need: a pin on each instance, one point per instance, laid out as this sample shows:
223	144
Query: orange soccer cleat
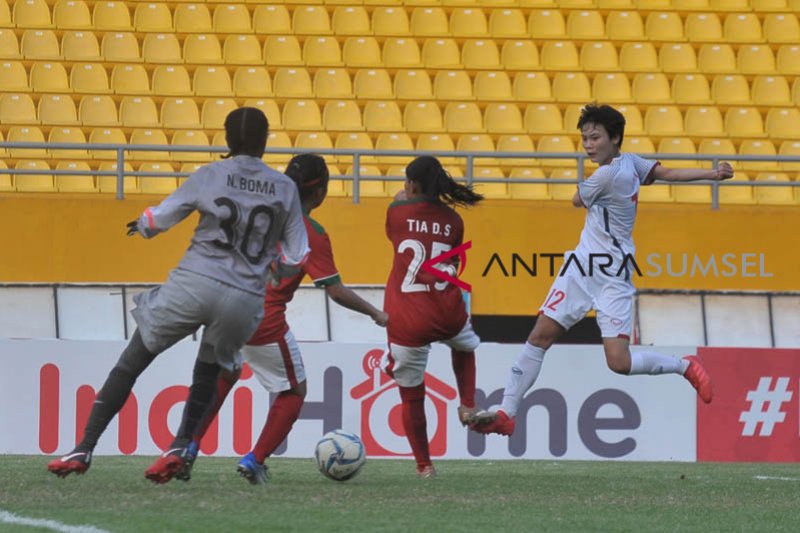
696	375
493	422
75	461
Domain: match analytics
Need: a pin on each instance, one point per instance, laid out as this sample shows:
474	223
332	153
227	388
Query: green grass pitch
387	496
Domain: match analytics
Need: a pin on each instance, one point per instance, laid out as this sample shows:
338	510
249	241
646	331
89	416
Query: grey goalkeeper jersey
250	215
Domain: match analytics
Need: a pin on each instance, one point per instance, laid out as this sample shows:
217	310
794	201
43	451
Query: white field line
778	478
11	518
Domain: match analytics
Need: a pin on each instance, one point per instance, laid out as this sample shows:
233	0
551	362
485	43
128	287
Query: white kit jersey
250	215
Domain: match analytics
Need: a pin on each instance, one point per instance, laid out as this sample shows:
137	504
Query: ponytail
246	131
437	183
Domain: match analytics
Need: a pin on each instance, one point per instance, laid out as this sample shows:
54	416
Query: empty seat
152	17
322	51
232	18
651	88
771	90
781	28
507	24
171	80
161	185
17	109
212	81
5	21
138	112
190	138
153	137
678	57
678	145
311	19
527	191
543	118
736	194
179	113
611	88
241	50
302	115
282	50
560	55
71	15
412	85
252	81
390	21
532	86
716	58
161	48
382	116
37	182
332	83
75	184
691	89
555	143
742	28
26	134
215	110
39	45
429	22
790	148
9	46
350	20
462	117
635	57
108	184
202	48
599	56
789	59
80	46
665	26
585	25
515	144
495	187
755	59
639	145
354	141
782	123
369	83
493	86
31	14
106	136
269	108
361	52
315	141
394	141
624	26
663	120
130	79
111	16
723	147
49	77
730	89
767	194
191	18
468	22
503	118
120	47
272	19
401	53
634	123
571	87
563	191
755	147
546	24
441	53
438	143
703	27
57	109
98	111
452	85
477	142
292	82
744	122
88	78
342	115
519	55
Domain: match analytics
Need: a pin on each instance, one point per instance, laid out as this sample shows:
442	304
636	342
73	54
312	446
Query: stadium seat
507	24
39	45
771	90
788	61
572	87
462	117
161	48
282	50
401	53
560	55
477	142
729	5
651	88
120	48
624	26
252	82
315	141
152	17
790	148
527	191
33	182
781	28
543	118
382	116
546	24
429	22
190	138
171	80
111	16
390	21
26	134
611	88
744	122
468	22
572	115
412	84
755	59
370	83
80	46
663	121
202	48
362	52
493	86
515	144
452	85
31	14
480	54
106	136
322	51
758	148
160	185
138	112
49	77
742	28
98	110
441	53
772	5
634	124
730	89
292	82
704	122
148	137
656	193
639	145
277	140
555	143
332	83
367	187
394	141
585	25
350	20
691	89
130	79
342	115
75	184
503	118
490	189
678	145
232	18
302	115
519	55
215	110
767	195
599	56
664	26
192	18
5	22
108	184
736	194
354	141
89	78
562	191
17	109
311	20
781	123
272	19
638	57
678	57
703	27
270	108
241	50
9	46
437	143
57	109
212	81
716	59
71	15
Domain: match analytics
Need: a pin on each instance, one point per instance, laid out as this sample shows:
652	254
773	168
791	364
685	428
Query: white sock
654	363
522	376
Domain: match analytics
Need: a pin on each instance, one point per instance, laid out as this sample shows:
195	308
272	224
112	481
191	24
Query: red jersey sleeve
320	266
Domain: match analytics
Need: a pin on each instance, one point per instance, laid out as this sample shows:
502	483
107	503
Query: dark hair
309	172
437	183
604	115
246	131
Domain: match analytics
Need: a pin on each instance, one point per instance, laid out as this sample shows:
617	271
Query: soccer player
422	224
610	196
251	221
272	352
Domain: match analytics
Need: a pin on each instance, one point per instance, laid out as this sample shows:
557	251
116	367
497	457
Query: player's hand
381	319
724	171
133	227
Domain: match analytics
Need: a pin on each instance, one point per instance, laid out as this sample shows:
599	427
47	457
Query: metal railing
357	176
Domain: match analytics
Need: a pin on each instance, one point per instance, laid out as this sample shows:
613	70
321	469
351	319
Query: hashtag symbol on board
765	406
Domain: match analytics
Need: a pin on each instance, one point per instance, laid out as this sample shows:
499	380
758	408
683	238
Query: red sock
464	369
225	383
414	423
284	411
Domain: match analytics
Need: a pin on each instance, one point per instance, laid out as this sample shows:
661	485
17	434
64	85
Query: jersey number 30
229	223
409	282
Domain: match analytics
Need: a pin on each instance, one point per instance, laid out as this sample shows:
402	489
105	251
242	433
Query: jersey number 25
410	283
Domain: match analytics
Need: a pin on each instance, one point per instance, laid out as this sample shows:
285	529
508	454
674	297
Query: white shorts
573	295
277	366
176	309
407	364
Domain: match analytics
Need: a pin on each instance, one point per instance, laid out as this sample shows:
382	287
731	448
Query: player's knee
300	389
619	365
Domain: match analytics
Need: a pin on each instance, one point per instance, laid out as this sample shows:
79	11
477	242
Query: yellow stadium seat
49	77
664	26
634	124
639	145
17	109
362	52
80	46
624	26
241	50
571	87
120	47
401	53
171	80
691	89
390	21
369	83
703	27
89	78
716	59
718	147
781	123
519	55
130	79
350	20
270	110
215	110
611	88
190	138
13	77
744	122
656	193
342	115
441	53
106	136
26	134
782	28
412	84
736	194
758	148
231	18
638	57
161	48
503	118
367	187
477	142
515	144
462	117
678	57
40	45
71	15
5	21
302	115
563	191
354	141
491	189
704	122
696	194
332	83
584	25
742	28
766	195
653	4
507	24
322	51
532	86
282	50
527	191
493	86
252	81
315	141
57	109
437	143
67	135
560	55
75	184
468	22
98	111
555	143
572	115
31	14
152	17
678	145
382	116
663	121
148	137
277	140
292	82
729	5
546	24
34	182
790	148
111	16
272	19
771	5
394	141
429	22
771	90
789	59
543	118
600	56
138	112
9	46
452	85
311	20
191	18
108	184
202	48
755	59
160	185
730	89
212	81
651	88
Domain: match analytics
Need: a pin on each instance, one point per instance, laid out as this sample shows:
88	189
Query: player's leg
462	355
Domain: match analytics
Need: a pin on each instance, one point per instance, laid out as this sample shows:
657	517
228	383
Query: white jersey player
597	274
251	224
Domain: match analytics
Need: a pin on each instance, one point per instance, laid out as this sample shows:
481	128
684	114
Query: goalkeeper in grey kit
251	229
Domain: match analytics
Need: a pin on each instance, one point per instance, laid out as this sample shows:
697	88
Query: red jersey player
272	352
422	224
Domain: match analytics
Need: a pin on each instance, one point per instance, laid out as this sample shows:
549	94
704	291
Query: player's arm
346	297
723	171
169	212
293	242
593	190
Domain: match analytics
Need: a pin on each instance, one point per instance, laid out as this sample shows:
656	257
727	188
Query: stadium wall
75	239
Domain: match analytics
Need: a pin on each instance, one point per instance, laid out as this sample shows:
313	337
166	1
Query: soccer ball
340	455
